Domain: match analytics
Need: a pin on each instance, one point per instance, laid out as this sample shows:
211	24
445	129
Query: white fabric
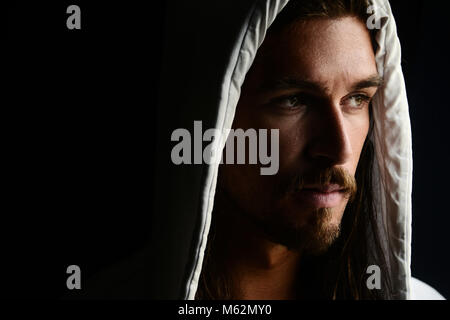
421	291
393	149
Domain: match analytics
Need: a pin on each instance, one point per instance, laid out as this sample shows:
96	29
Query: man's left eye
357	101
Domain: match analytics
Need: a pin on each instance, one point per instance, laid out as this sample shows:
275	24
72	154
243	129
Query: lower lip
319	199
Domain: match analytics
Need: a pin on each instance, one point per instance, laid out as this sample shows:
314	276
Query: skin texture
321	126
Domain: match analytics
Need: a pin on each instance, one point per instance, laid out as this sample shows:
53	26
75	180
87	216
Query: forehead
318	49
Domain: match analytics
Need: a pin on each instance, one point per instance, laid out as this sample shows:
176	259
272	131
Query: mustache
333	175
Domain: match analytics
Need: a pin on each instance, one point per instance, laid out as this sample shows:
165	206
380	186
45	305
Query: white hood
391	136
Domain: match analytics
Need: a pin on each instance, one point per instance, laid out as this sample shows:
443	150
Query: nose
330	143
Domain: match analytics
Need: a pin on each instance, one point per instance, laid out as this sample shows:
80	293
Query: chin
317	231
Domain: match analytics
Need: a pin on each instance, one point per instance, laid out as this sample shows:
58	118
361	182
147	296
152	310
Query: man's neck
273	278
260	269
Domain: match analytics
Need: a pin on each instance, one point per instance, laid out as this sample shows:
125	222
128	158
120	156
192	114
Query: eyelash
365	101
301	99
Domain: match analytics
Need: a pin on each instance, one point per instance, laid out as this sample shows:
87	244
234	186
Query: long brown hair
340	273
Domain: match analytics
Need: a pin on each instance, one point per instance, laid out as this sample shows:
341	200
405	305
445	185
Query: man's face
312	81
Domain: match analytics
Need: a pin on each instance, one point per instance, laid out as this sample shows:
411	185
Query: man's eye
293	102
357	101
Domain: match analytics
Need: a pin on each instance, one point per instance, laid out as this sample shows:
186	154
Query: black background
80	125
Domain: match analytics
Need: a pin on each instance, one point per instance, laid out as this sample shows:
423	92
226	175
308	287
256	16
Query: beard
318	229
313	237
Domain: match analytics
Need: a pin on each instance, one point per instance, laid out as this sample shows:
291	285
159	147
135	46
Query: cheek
292	135
250	190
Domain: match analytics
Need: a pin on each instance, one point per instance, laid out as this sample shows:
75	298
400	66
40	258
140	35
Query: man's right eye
292	102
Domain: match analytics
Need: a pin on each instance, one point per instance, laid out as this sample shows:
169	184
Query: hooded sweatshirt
207	59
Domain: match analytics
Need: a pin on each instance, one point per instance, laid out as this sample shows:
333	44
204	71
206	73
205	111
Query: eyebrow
293	82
